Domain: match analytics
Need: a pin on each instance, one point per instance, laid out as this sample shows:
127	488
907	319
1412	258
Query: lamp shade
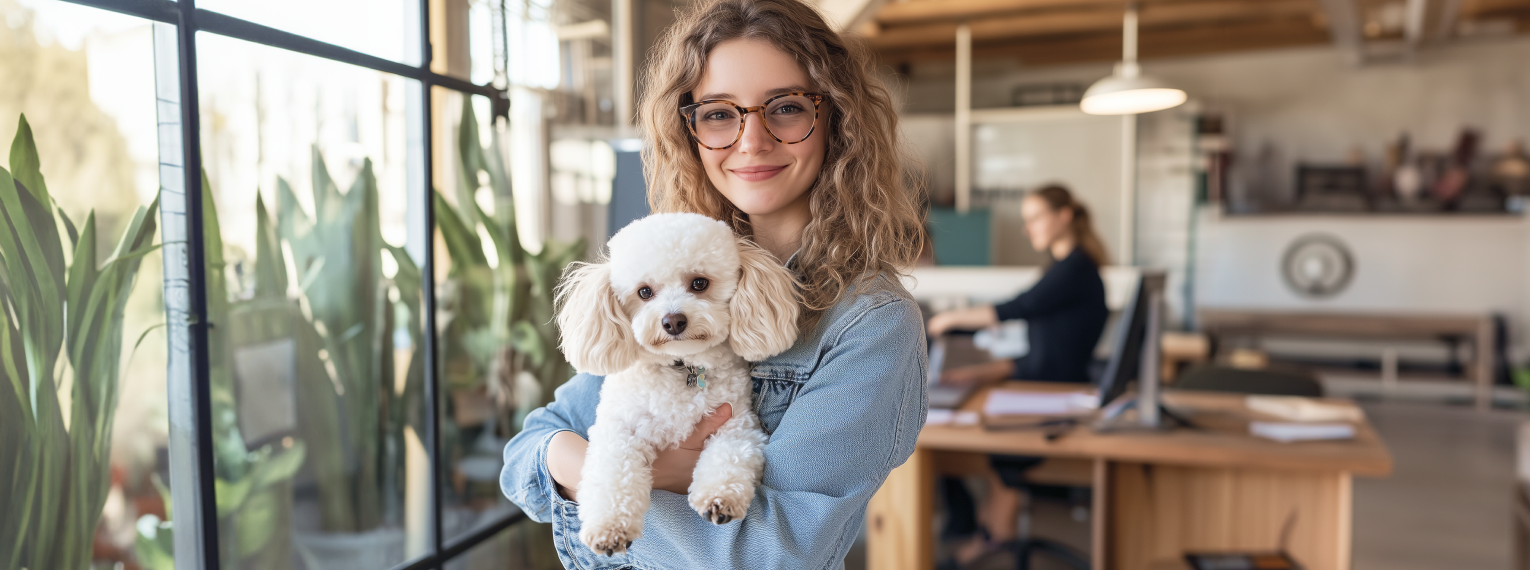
1122	94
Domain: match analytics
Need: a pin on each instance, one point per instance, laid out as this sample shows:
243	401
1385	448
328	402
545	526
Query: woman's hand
671	469
974	318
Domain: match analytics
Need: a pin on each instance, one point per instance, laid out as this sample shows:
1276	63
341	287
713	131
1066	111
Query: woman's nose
756	139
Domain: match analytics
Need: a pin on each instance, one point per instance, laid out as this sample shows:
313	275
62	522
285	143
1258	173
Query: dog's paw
720	507
610	538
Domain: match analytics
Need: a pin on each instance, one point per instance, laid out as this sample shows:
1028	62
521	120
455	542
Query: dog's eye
699	284
645	293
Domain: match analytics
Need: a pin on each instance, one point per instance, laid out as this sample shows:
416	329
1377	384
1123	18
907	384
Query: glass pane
470	39
388	29
524	546
316	374
82	387
497	346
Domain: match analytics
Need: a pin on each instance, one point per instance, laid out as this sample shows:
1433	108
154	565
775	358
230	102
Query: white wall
1402	263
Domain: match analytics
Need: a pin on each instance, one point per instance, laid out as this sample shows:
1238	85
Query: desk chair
1273	382
1072	474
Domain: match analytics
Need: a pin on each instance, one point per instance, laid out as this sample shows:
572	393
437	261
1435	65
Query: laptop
945	395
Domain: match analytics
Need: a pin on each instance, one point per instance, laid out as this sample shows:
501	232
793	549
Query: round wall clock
1317	266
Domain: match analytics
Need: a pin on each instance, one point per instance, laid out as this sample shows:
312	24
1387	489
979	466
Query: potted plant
61	324
495	313
254	487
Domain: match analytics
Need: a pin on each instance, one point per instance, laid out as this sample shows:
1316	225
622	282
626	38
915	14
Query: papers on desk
1298	409
1309	419
1286	432
940	417
1020	403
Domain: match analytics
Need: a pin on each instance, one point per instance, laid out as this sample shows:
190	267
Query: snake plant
61	325
253	488
497	318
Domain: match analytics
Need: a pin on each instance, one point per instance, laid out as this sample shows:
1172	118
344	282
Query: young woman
1065	313
760	115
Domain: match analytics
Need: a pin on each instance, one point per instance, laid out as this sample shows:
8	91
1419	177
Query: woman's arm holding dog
854	421
557	437
526	479
672	468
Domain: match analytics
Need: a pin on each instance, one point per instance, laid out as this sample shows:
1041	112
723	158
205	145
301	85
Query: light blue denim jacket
843	407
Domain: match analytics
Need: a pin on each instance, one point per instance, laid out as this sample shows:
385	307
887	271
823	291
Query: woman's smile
758	173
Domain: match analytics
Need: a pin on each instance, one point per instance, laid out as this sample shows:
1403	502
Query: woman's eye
788	109
699	284
645	293
718	116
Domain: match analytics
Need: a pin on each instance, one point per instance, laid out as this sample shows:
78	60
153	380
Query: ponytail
1058	198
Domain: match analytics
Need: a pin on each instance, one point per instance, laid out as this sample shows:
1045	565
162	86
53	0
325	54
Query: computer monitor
1126	351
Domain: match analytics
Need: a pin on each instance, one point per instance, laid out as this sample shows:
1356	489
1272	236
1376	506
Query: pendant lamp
1127	91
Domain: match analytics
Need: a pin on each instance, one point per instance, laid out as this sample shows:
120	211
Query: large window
277	281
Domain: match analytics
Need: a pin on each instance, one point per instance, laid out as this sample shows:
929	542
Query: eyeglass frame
687	112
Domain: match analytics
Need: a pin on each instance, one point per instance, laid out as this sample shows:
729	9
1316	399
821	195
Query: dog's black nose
674	323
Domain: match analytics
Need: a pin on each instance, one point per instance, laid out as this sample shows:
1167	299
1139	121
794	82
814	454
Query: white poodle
673	320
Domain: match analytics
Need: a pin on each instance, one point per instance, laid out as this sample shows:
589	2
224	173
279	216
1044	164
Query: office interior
1337	205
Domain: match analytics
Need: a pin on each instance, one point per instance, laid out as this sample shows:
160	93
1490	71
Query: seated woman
1065	313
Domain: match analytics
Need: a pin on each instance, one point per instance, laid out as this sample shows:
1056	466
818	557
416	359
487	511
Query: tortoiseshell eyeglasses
718	124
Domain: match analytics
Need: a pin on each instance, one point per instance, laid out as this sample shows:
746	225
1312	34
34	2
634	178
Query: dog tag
696	376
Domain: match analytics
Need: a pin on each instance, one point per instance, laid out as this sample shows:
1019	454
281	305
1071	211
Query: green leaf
231	495
82	280
153	544
35	272
280	466
26	165
526	340
326	195
74	234
270	271
462	244
256	522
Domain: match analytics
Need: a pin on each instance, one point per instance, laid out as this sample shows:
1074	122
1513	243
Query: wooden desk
1477	327
1156	495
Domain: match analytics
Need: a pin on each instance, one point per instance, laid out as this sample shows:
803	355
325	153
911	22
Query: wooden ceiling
1045	32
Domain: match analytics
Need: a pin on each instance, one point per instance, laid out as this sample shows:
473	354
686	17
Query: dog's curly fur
747	311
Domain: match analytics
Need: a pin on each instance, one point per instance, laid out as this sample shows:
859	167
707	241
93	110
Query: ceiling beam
1154	44
1088	21
844	15
1475	9
925	11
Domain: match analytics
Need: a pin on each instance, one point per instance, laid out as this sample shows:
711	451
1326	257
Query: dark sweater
1065	314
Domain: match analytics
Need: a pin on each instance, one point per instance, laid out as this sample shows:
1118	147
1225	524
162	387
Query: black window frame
187	382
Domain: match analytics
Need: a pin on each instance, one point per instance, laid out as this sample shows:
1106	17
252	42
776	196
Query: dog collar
694	375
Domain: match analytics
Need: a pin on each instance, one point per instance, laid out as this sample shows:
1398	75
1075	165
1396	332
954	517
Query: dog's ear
764	308
597	335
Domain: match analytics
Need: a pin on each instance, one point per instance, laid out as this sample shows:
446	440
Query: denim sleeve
525	479
854	421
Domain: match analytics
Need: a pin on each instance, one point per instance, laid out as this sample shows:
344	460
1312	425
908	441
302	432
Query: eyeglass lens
790	119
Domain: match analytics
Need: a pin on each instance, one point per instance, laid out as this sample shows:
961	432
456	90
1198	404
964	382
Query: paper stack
1021	403
1292	431
1298	409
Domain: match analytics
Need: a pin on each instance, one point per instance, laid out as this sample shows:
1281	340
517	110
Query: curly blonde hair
866	216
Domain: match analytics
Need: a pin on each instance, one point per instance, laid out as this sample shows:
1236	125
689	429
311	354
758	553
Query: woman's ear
764	307
597	335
